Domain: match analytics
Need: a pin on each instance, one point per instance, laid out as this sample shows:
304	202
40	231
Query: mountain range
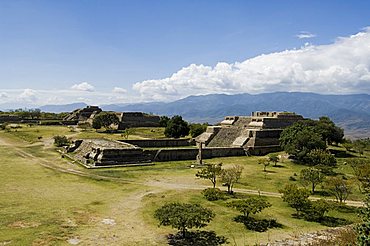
351	112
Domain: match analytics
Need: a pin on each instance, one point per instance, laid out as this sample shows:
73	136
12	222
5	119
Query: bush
3	126
213	194
316	210
61	141
199	238
257	225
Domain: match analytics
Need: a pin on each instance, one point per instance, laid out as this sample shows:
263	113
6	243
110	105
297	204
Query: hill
352	112
62	108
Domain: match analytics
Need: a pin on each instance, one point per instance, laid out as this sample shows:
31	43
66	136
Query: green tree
317	209
361	170
312	176
163	120
210	172
300	138
61	141
183	216
329	131
105	119
363	237
338	187
230	176
297	198
265	162
197	129
321	157
176	127
250	205
274	158
359	146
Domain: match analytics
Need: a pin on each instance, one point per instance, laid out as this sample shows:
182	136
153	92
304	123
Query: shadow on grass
279	166
269	171
334	222
257	225
322	193
346	209
199	238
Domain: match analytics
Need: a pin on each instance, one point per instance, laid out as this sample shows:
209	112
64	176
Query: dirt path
123	224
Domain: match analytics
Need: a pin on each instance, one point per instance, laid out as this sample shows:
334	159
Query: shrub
199	238
213	194
3	126
61	141
257	225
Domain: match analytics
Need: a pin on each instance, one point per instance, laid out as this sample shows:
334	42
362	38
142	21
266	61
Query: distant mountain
62	108
352	112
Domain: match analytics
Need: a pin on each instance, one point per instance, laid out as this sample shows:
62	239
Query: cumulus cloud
119	90
340	67
4	95
303	35
84	86
28	95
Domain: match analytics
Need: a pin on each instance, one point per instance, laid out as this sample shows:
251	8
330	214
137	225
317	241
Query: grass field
47	200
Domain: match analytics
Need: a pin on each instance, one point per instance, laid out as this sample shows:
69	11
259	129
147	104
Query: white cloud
84	86
4	95
28	95
340	67
302	35
119	90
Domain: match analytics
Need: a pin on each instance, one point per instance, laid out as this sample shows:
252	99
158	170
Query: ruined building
83	115
137	119
258	134
102	152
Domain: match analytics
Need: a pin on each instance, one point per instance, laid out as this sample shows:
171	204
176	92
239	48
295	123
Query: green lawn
41	206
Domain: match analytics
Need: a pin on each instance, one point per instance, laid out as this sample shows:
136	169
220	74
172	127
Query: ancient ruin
258	134
137	119
83	115
102	152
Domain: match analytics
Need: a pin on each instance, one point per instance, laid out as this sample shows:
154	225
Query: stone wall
191	153
161	143
137	119
9	118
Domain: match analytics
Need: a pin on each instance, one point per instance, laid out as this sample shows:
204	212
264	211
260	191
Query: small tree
163	121
197	129
231	176
250	205
297	198
274	158
317	210
311	176
105	119
363	237
265	162
176	127
339	187
211	171
361	169
61	141
359	146
183	216
127	132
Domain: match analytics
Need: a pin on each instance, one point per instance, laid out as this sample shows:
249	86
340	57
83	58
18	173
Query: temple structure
258	134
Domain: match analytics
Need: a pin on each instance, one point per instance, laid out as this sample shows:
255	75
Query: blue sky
105	51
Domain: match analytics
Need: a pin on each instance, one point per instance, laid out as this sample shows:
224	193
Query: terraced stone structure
83	115
258	134
137	119
102	152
